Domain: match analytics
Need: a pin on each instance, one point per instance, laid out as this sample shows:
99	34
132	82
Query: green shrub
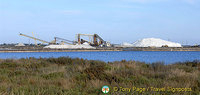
53	75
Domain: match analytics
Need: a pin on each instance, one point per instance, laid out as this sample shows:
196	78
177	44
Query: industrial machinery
64	41
81	41
95	40
37	39
34	39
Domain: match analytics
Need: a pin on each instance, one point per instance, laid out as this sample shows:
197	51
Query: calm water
144	56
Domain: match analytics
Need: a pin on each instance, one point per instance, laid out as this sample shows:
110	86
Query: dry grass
66	76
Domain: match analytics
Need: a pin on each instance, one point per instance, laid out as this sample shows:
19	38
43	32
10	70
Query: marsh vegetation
67	76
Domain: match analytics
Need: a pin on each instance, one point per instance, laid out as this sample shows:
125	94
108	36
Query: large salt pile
155	42
125	44
82	46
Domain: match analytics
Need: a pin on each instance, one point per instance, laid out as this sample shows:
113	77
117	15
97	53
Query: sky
115	21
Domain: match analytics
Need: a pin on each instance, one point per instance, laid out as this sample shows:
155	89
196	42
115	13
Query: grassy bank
66	76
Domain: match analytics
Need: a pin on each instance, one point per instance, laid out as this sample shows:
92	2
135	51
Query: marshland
74	76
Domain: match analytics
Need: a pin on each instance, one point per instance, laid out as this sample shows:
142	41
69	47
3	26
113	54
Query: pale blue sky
114	20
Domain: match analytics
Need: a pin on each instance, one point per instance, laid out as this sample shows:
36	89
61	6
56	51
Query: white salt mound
155	42
86	43
125	44
82	46
20	44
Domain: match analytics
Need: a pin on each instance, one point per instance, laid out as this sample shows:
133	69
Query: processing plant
94	40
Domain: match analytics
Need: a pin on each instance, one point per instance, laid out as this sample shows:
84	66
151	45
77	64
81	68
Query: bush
67	76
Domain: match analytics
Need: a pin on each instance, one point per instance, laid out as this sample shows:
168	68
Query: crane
34	38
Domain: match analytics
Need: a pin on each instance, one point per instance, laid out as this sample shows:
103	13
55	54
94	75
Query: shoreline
21	51
104	49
